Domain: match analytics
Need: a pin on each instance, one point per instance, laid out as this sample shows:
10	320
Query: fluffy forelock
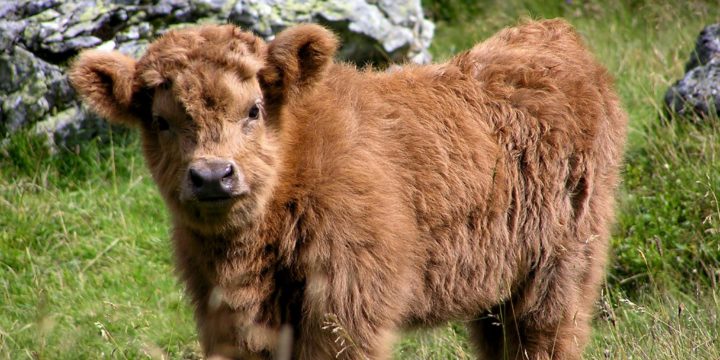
224	46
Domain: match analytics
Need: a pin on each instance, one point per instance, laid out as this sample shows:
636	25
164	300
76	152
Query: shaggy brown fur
478	190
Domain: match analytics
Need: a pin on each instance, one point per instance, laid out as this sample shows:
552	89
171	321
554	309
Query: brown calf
303	190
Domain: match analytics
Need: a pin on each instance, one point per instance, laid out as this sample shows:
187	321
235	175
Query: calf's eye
254	112
160	124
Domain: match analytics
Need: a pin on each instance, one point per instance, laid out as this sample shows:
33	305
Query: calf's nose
213	180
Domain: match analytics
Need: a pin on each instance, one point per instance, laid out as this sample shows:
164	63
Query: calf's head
209	104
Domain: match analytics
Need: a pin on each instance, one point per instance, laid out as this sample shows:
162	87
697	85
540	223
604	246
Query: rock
29	89
397	26
38	39
698	92
707	46
72	127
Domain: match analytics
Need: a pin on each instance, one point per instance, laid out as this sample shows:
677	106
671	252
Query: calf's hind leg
549	319
500	335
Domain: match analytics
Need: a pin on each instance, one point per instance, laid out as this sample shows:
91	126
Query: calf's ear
105	80
296	58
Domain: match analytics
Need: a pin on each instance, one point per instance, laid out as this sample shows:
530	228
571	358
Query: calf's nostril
196	178
228	171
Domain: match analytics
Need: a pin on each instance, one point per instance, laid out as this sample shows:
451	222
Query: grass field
85	261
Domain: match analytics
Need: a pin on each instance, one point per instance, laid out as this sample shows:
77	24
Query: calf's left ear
296	58
106	81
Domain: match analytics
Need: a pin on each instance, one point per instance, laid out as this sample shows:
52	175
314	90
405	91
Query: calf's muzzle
213	180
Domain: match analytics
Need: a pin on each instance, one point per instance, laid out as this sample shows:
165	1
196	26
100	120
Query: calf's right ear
105	80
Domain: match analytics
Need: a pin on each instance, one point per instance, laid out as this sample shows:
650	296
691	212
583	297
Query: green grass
85	261
86	265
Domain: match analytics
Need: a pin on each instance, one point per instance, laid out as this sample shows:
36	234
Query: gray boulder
698	92
38	38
